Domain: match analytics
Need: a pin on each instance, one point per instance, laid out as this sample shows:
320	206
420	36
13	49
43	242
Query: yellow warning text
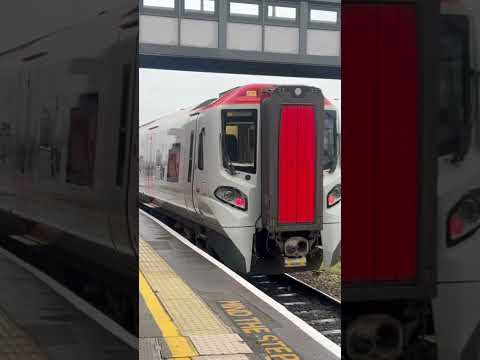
249	324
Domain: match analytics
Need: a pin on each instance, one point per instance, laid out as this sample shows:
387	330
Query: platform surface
36	323
192	309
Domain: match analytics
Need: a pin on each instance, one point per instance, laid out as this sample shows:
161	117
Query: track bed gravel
326	280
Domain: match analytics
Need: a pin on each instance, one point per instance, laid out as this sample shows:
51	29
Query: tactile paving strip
187	310
194	318
15	344
220	344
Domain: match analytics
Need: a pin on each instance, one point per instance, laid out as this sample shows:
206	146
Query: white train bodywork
174	177
455	309
68	162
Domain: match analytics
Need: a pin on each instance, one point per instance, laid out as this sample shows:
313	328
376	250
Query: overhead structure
264	33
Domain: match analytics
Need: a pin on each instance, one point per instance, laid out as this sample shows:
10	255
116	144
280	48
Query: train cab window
82	141
454	84
190	158
239	138
330	146
173	165
200	149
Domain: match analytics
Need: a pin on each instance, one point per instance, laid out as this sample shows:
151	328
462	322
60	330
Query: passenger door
200	177
190	136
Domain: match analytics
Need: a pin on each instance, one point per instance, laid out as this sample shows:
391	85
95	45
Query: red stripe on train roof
239	96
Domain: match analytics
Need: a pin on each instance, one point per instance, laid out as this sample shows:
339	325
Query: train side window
173	165
455	100
46	128
190	158
82	141
200	149
141	164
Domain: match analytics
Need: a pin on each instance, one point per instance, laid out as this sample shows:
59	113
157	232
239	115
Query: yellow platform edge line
178	345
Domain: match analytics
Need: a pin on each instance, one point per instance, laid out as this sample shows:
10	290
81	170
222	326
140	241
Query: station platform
193	307
38	323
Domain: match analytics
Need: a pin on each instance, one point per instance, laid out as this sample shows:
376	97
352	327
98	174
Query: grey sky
165	91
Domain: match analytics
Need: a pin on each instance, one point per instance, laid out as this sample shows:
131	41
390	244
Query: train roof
245	94
183	111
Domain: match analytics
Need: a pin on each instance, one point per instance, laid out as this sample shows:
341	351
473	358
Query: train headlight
232	197
334	196
464	218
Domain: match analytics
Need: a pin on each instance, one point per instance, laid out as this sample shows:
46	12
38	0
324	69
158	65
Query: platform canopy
260	36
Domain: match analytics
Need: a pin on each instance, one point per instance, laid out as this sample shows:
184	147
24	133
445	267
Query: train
410	279
252	175
69	143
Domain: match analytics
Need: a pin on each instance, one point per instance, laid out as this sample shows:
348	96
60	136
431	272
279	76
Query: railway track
316	308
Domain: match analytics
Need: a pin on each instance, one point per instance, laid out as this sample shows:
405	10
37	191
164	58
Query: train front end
292	196
275	196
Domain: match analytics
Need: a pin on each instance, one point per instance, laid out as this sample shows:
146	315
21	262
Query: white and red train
252	175
68	139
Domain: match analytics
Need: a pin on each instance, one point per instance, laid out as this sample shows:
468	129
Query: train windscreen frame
330	142
455	82
239	145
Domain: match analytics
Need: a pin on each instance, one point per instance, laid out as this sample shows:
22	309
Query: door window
200	149
82	141
173	166
190	158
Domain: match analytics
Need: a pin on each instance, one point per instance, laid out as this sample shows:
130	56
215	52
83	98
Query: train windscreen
454	84
330	147
240	140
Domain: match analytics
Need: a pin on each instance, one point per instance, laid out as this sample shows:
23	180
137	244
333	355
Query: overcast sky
165	91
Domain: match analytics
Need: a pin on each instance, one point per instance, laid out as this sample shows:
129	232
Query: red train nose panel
297	148
306	166
379	143
287	162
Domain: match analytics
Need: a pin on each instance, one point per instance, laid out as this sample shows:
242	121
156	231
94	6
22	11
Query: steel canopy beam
177	38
